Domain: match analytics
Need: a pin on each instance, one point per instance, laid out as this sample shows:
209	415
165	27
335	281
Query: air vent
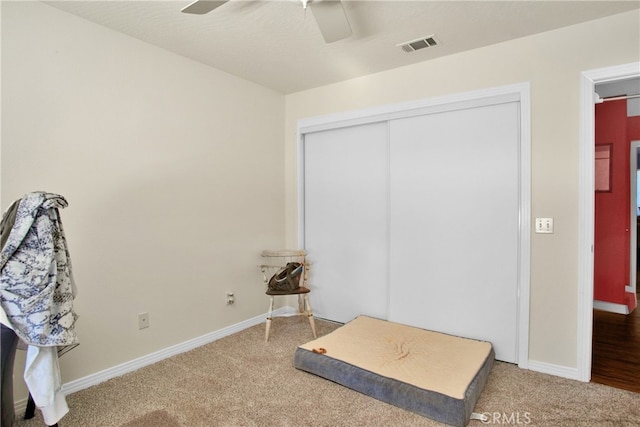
418	44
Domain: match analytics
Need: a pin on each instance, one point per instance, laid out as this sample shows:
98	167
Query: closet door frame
519	93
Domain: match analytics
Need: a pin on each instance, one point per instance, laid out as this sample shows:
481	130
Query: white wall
552	63
174	173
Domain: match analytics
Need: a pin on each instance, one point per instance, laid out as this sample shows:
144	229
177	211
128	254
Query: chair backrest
276	259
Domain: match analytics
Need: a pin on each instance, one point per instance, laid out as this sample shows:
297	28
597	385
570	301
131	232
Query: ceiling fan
329	15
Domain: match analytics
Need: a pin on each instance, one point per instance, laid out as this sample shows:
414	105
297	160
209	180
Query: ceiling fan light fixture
329	14
202	7
417	44
331	19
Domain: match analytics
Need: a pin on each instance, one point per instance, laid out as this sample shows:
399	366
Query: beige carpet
153	419
242	381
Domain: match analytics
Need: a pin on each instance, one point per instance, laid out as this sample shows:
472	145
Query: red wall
611	245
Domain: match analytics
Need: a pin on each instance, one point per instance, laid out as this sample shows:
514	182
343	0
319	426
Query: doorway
589	80
616	342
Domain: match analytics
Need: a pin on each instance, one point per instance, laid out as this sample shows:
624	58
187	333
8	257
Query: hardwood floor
616	350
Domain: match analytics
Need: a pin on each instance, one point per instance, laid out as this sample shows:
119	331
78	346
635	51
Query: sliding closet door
346	220
454	209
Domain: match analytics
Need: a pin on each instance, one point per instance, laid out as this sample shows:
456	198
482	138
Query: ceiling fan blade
331	19
200	7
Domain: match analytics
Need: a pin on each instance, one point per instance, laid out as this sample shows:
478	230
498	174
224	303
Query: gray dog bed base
436	375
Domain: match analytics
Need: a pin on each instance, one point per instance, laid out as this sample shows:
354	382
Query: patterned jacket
36	282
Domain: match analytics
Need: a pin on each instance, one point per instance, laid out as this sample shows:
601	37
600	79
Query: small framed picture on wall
603	167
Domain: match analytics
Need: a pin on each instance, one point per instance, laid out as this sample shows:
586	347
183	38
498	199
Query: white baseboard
135	364
610	307
556	370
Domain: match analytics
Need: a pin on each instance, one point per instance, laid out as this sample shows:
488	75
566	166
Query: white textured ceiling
278	45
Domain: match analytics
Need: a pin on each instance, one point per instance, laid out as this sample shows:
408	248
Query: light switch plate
544	225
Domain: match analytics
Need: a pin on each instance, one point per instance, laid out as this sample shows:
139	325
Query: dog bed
436	375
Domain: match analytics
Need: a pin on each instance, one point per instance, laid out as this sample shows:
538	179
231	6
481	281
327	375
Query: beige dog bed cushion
433	374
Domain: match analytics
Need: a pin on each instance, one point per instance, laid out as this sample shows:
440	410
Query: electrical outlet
143	320
230	298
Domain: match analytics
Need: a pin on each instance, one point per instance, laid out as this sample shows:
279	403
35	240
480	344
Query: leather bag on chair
287	279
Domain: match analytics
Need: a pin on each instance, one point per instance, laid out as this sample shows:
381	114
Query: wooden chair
274	261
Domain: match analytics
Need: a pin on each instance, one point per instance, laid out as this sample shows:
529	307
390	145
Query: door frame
586	203
518	92
633	226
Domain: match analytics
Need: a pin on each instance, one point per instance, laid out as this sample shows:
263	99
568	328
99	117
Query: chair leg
268	328
8	345
310	315
30	411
